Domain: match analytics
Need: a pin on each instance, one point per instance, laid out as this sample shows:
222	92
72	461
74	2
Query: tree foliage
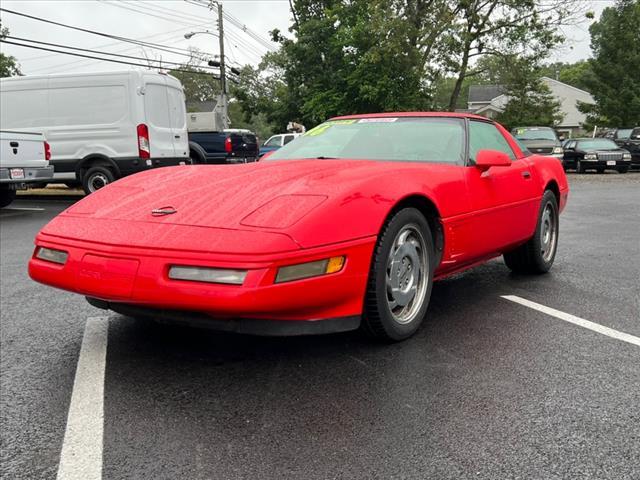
357	56
199	85
530	100
8	64
615	83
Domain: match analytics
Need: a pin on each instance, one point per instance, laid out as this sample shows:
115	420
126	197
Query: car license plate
16	173
611	162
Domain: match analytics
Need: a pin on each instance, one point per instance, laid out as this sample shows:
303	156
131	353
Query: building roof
484	93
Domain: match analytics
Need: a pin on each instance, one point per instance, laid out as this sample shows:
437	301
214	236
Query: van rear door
178	117
156	106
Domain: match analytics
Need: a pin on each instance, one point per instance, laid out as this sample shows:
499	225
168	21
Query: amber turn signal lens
335	264
310	269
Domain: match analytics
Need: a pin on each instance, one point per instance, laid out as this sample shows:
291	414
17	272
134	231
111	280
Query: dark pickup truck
227	146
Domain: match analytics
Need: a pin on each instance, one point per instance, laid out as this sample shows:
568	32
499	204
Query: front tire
579	167
401	277
623	169
96	178
538	254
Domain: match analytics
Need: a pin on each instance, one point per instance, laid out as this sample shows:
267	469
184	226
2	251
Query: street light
191	34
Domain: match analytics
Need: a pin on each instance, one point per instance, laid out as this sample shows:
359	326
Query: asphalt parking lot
489	388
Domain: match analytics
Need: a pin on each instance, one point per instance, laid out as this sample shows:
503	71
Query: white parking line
581	322
81	456
27	209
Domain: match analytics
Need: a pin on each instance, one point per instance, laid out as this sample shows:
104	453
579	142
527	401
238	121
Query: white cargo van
101	126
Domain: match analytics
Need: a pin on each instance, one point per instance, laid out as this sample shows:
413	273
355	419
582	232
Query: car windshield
623	132
535	134
410	139
597	144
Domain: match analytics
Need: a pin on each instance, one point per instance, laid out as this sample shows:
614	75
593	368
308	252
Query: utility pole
223	73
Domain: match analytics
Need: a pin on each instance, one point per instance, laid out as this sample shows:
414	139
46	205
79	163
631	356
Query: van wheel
7	196
96	178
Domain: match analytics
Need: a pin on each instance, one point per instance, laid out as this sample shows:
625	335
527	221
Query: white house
490	100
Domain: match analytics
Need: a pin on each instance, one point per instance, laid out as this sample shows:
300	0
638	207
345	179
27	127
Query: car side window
485	136
273	141
287	139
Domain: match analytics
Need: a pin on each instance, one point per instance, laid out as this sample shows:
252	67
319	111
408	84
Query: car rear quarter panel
549	171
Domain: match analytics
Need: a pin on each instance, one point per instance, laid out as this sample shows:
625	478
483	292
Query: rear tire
538	254
7	196
401	277
95	178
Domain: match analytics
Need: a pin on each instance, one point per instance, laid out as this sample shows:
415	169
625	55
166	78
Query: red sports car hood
266	196
221	196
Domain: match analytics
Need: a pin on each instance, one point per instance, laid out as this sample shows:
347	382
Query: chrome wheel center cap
405	270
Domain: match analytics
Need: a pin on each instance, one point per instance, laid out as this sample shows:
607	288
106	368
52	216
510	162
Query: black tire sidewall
394	330
95	170
548	198
7	196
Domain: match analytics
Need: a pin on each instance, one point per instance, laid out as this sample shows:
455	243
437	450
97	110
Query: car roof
412	114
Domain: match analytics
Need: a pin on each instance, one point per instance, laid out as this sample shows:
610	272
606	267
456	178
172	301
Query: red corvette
347	226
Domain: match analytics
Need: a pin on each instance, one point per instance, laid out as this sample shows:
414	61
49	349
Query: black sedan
597	154
631	142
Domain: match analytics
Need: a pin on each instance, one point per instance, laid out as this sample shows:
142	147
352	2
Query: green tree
484	28
615	84
347	57
199	85
578	74
530	100
8	64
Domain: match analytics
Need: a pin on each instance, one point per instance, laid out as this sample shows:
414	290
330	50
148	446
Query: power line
123	62
111	44
237	23
94	51
175	51
166	11
131	9
256	36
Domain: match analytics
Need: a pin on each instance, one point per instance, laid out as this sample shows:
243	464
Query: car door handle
176	136
526	174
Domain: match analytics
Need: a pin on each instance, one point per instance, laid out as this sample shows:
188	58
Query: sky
165	22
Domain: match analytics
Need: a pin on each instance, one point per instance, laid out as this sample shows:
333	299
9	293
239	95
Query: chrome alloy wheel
97	181
548	232
407	275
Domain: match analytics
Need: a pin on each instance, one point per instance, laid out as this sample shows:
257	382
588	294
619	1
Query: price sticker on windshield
378	120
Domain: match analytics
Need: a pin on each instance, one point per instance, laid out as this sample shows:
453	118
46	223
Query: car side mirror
485	159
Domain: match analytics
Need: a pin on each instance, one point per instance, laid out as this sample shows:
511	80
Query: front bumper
31	175
611	164
135	280
249	326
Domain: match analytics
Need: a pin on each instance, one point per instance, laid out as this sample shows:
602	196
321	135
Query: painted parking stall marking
81	456
581	322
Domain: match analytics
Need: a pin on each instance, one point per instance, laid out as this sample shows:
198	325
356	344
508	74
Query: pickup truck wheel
96	178
537	255
196	159
400	279
7	196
